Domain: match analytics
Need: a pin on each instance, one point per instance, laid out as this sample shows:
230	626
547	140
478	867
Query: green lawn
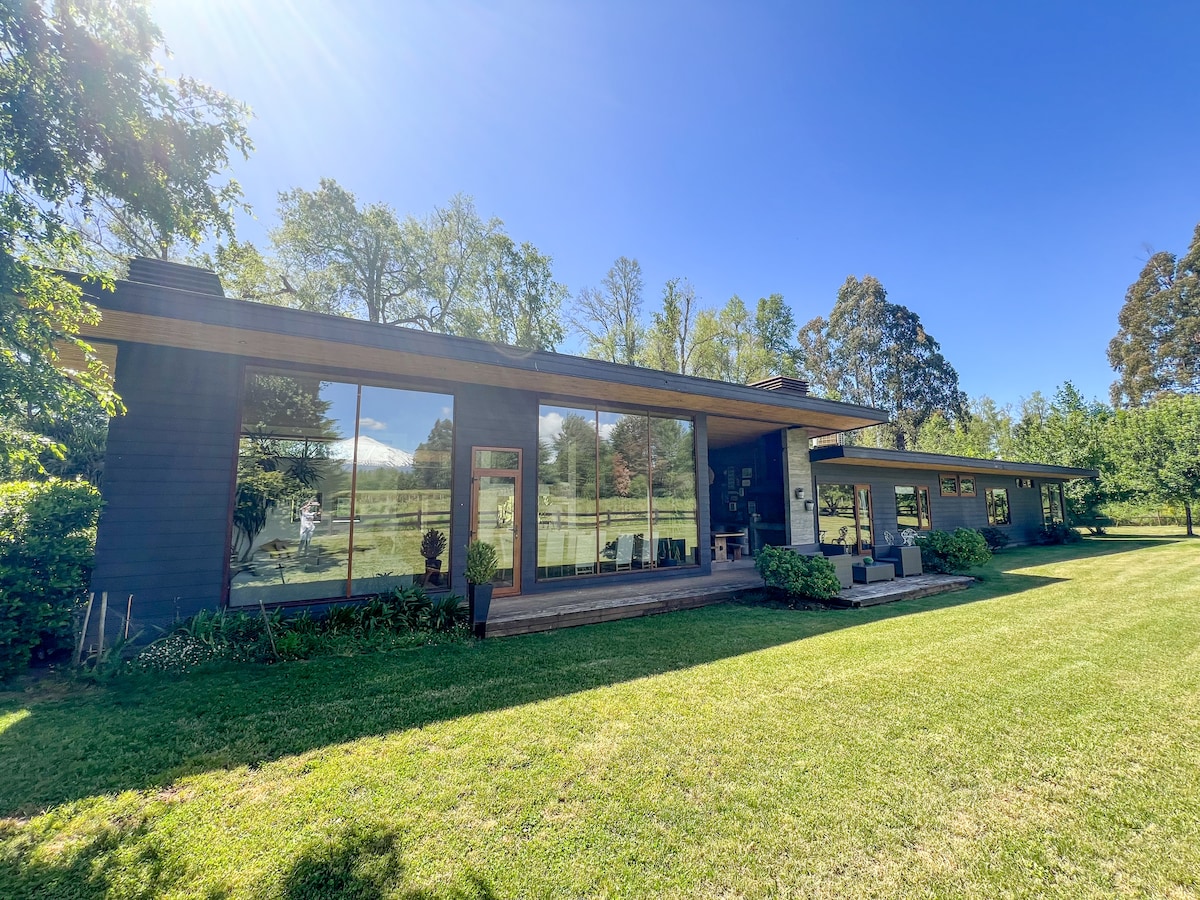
1037	735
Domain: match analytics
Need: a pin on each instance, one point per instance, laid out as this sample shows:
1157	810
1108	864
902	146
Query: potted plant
481	569
433	545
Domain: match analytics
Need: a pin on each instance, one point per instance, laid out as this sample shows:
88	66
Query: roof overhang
151	314
937	462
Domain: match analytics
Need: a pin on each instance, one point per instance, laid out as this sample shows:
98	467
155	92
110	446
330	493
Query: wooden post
87	615
103	616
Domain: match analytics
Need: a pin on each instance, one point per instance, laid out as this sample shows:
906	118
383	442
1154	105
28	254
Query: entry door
862	518
496	511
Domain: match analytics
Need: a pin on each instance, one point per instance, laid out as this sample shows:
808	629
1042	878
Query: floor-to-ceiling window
616	491
337	483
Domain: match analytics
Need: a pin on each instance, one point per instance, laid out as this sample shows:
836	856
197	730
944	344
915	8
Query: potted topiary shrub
481	569
433	545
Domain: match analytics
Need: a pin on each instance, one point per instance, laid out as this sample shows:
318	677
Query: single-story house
276	456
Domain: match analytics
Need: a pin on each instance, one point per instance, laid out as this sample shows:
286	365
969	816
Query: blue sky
1002	168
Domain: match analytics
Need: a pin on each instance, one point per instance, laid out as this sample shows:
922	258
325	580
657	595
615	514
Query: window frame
924	515
990	501
942	479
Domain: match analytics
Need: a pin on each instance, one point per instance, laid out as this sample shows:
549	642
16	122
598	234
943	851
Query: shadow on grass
363	863
144	733
126	858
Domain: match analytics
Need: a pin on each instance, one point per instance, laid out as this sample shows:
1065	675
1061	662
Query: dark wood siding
167	484
948	513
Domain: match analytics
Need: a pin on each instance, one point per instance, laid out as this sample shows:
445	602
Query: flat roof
174	317
908	459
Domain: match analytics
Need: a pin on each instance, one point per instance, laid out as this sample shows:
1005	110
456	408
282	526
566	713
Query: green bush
481	562
1058	533
402	617
953	551
996	539
47	548
796	575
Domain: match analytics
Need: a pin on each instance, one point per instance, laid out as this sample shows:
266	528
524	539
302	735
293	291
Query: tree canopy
451	272
877	353
610	318
1157	347
88	123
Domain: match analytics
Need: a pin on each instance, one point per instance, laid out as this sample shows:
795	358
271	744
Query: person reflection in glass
310	514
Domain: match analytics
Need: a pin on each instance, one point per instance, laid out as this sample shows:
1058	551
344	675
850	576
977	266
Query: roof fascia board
205	309
870	456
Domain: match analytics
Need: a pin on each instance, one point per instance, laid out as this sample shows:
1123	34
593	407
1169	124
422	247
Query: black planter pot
433	571
479	597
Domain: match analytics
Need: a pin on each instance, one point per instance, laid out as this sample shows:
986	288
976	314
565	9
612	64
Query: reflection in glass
907	511
496	523
673	466
835	515
997	506
1052	505
291	534
863	504
329	490
402	485
567	492
616	492
912	507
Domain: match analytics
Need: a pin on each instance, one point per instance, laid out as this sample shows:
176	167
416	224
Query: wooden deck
622	600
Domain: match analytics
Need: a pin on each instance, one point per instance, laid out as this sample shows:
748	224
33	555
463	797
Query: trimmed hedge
47	549
953	551
796	575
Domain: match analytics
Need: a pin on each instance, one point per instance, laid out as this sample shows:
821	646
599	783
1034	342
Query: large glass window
912	508
336	484
616	492
1052	504
997	506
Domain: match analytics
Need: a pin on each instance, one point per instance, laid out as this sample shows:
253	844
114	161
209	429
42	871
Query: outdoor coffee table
878	571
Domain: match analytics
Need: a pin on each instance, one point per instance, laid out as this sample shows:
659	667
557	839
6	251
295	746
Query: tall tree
1069	430
452	272
521	301
984	431
610	317
1157	347
87	117
348	259
774	326
672	341
877	353
1156	449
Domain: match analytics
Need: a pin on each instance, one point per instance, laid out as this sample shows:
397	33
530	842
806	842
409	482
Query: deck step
607	608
